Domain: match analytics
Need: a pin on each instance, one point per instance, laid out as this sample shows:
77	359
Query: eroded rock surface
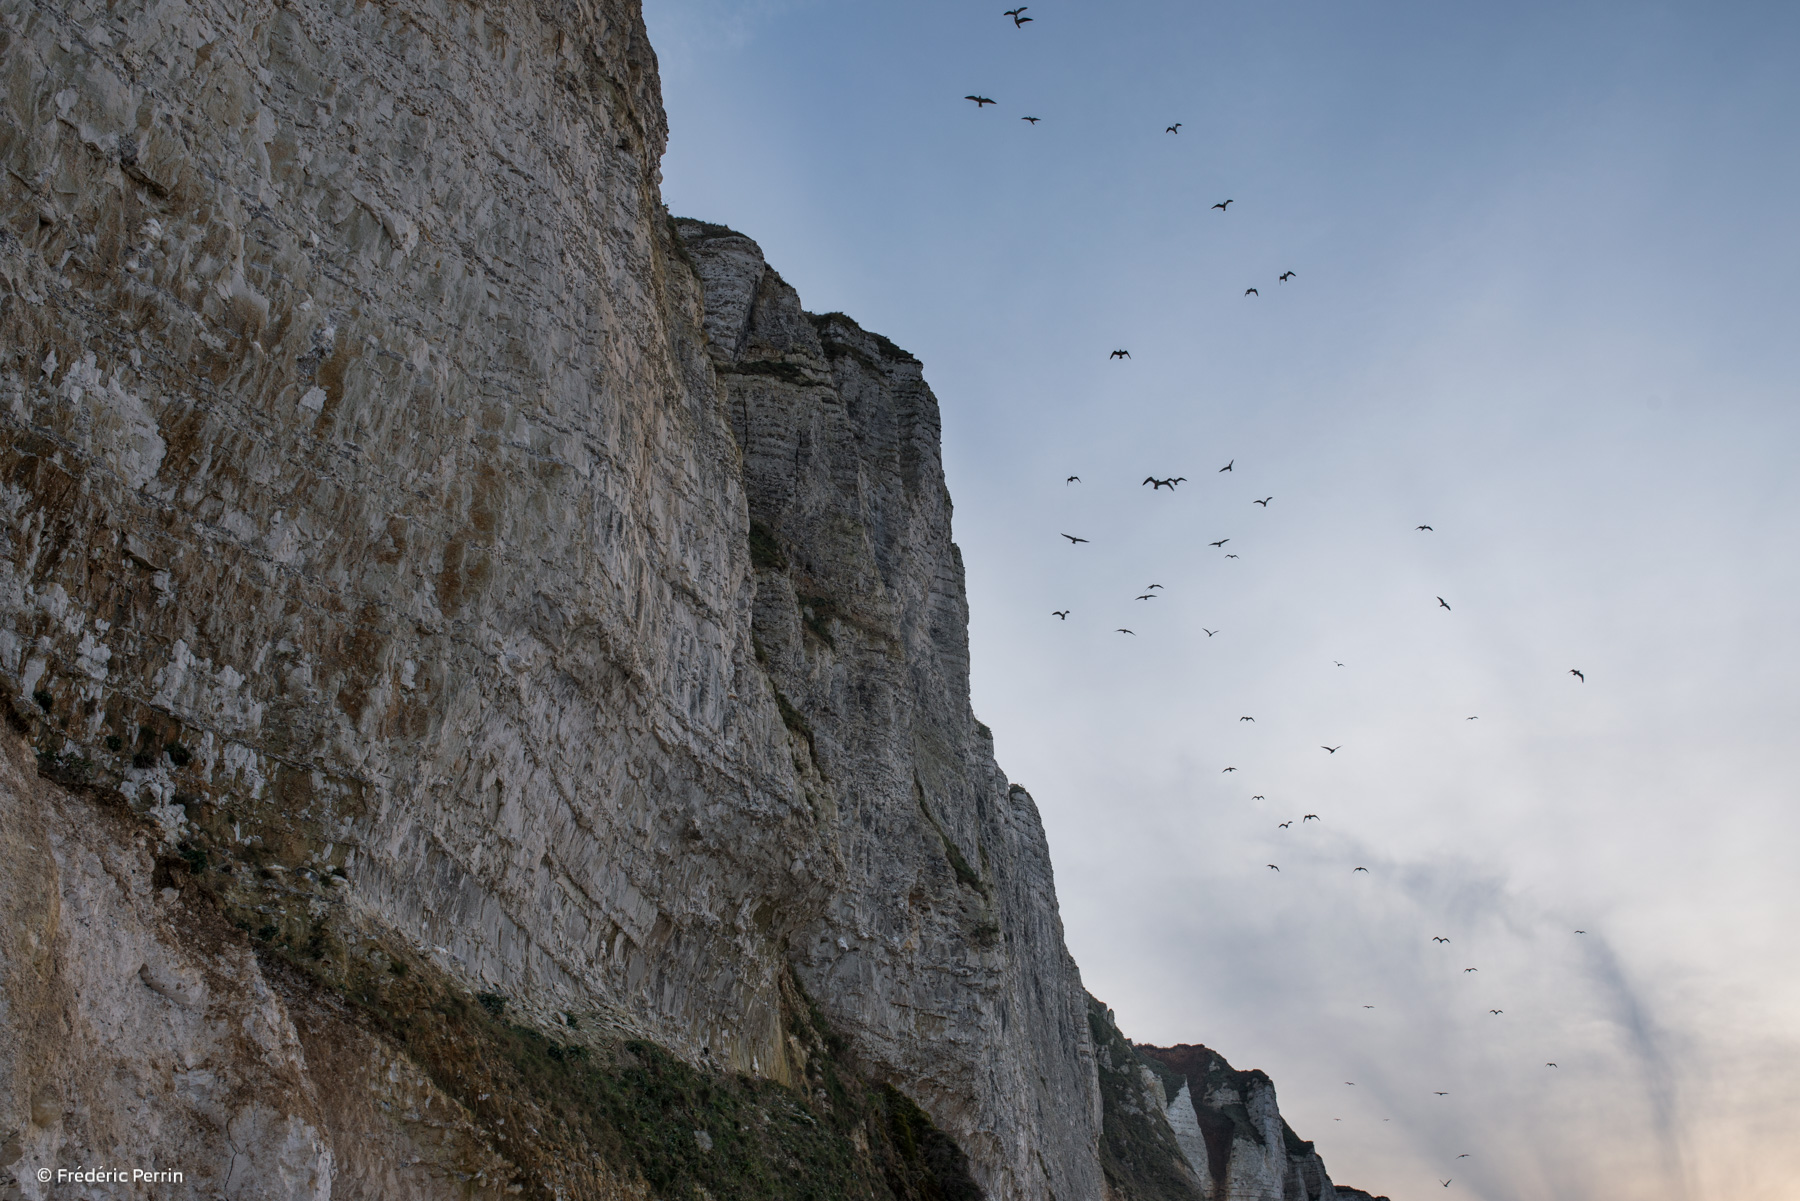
1231	1132
375	523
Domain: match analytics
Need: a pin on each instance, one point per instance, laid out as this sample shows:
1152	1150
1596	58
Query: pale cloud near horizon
1543	303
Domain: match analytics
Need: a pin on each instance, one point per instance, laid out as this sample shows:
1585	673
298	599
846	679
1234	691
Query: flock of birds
1152	592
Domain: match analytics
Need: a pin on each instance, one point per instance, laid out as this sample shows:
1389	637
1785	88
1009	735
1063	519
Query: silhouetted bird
1578	675
1033	120
1581	931
1251	292
1471	719
1119	354
979	100
1332	750
1231	556
1175	128
1148	596
1423	527
1283	825
1123	630
1496	1011
1368	1007
1440	1094
1471	969
1309	817
1224	205
1549	1065
1273	868
1018	21
1207	632
1246	719
1062	613
1439	938
1220	542
1147	587
1229	769
1258	798
1443	602
1073	539
1360	869
1264	502
1227	466
1074	479
1284	277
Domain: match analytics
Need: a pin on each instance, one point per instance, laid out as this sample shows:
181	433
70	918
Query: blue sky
1544	301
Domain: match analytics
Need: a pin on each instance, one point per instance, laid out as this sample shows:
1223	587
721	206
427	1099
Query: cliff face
377	529
486	672
1231	1132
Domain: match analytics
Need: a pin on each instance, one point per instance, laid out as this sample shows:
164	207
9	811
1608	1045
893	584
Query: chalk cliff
487	672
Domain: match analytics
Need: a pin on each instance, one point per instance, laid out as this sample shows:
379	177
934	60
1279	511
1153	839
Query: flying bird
1443	602
1062	613
1439	938
1273	868
1148	596
1283	825
1019	22
1147	587
1033	120
1360	869
1258	798
1231	556
1220	542
1014	12
1310	817
1246	719
1227	466
1228	769
1119	354
1073	539
1336	663
1168	483
1352	1084
1471	719
1464	1155
979	100
1123	630
1207	632
1549	1065
1581	931
1284	277
1175	128
1422	527
1577	674
1496	1011
1332	749
1223	205
1440	1094
1368	1007
1251	292
1074	479
1471	969
1264	502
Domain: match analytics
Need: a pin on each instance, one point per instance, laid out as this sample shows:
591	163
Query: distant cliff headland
487	672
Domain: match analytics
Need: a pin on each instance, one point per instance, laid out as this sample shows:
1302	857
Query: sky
1543	301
